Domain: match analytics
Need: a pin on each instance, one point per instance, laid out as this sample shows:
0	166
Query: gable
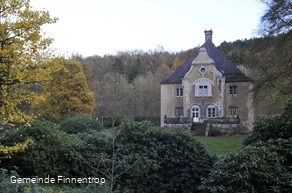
222	64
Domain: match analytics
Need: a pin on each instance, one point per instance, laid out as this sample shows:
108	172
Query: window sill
203	96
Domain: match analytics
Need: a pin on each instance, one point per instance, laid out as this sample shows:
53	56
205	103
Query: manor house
207	87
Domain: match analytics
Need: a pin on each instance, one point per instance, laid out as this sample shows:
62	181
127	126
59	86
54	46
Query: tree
277	18
25	59
100	68
270	58
66	95
176	63
118	66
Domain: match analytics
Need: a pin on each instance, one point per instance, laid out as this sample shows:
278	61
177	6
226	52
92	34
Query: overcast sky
98	27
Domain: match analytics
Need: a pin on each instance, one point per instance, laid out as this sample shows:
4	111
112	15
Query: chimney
208	35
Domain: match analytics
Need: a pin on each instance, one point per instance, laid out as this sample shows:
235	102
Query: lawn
221	145
216	145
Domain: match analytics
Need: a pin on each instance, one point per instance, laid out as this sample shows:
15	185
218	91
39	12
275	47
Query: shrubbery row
138	157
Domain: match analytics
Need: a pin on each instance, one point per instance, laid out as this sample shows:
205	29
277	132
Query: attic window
203	70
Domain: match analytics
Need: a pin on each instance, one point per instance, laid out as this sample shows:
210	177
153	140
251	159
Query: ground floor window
233	111
211	112
179	111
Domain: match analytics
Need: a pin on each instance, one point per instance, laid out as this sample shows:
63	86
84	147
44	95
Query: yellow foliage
176	63
67	94
9	150
25	59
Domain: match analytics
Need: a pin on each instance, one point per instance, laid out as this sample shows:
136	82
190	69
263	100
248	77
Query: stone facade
208	86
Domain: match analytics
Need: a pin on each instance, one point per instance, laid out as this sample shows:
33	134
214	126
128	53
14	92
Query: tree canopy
24	57
67	94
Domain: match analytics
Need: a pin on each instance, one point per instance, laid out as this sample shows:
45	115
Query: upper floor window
203	90
179	92
233	90
203	87
203	70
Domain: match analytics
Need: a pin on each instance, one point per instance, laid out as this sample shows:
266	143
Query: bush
273	127
79	124
255	169
53	152
221	132
264	164
153	159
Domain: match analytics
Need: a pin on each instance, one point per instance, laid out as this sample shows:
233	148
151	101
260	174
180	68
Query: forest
96	116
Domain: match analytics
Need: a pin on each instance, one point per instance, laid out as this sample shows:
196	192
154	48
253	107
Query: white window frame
179	92
195	109
203	90
211	111
232	90
202	87
233	112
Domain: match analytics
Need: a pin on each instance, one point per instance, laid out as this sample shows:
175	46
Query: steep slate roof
222	64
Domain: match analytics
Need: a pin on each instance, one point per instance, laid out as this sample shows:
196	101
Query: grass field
220	146
216	145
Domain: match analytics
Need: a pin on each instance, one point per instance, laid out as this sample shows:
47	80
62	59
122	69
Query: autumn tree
25	59
176	63
67	94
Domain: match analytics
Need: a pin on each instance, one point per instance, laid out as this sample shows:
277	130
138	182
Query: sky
99	27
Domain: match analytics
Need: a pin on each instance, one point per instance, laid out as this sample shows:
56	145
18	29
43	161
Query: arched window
203	87
195	111
211	111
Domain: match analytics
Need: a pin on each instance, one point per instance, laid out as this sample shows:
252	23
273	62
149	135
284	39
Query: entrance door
195	113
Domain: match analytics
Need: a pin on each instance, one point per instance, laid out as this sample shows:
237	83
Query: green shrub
79	124
53	152
153	159
5	184
264	164
255	169
113	121
221	132
273	127
215	132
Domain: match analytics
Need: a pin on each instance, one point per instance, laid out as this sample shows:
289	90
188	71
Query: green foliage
237	51
264	164
53	152
221	132
253	169
78	124
6	185
273	127
153	159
